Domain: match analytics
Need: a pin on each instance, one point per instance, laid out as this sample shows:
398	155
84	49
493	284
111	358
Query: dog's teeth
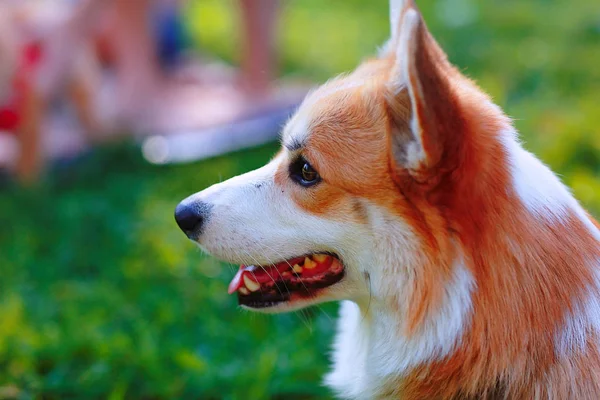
320	257
244	291
309	264
297	269
250	284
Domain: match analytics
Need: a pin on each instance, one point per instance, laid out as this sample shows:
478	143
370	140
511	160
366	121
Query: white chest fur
370	349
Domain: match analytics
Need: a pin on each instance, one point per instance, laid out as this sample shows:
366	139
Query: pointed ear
396	9
424	113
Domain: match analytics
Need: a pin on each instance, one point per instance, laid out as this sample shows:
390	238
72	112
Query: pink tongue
236	282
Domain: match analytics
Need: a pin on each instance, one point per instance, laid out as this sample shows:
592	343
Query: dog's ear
425	120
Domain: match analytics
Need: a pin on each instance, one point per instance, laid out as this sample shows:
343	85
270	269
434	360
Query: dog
465	268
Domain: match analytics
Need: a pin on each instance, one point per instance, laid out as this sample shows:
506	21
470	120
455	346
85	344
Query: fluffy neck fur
518	312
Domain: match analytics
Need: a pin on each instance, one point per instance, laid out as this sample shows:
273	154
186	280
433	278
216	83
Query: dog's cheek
328	202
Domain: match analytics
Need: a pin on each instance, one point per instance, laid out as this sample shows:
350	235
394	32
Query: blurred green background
101	295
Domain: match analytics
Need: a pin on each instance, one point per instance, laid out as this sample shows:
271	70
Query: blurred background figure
79	72
118	109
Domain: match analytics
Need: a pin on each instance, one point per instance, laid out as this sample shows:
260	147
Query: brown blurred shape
77	46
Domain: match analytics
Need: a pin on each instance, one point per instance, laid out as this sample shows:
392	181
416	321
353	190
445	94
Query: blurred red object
10	114
9	119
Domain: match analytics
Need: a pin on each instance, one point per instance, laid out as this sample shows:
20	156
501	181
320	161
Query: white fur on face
253	220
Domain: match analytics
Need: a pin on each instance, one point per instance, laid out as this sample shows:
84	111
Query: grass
102	297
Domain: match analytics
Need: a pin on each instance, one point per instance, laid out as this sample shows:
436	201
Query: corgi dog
465	268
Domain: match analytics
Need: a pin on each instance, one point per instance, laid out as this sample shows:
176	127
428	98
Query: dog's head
376	172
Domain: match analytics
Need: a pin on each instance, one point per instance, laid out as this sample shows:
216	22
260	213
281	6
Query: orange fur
463	194
471	273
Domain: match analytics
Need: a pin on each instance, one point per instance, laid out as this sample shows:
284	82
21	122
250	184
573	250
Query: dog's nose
190	217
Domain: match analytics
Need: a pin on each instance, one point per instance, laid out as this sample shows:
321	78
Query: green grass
101	295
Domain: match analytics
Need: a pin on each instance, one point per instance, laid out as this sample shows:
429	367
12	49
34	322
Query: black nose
190	217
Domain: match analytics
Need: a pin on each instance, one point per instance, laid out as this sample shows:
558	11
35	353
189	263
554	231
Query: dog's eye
303	173
308	173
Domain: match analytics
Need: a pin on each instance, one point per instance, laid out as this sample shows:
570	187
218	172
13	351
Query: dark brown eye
303	173
308	173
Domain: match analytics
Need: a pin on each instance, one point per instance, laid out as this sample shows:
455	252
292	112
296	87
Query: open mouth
300	277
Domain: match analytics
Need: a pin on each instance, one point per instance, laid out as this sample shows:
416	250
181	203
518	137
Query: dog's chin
288	285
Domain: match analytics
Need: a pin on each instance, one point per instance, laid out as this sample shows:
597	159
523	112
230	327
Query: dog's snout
191	216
